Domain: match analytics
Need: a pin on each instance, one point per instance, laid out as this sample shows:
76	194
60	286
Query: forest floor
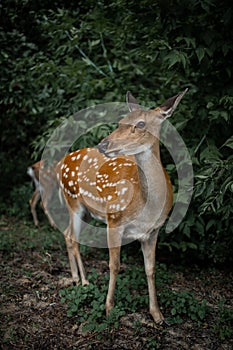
34	268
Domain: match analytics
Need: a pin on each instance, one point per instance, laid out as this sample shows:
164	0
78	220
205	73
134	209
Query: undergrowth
86	304
131	295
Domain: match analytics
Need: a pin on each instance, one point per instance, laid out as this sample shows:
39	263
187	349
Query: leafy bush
20	201
64	58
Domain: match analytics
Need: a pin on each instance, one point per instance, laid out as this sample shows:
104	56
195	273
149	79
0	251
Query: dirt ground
33	317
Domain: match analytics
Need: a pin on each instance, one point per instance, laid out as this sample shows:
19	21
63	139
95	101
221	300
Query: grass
43	239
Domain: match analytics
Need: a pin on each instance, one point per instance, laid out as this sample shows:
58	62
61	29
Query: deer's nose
102	146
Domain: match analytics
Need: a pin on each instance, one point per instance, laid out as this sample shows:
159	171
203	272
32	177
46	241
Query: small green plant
11	336
152	344
87	303
183	304
224	324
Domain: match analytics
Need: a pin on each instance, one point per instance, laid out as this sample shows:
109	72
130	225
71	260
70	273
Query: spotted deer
123	183
44	179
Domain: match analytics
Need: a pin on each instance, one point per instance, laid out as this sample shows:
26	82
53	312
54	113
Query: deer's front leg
148	249
76	250
114	244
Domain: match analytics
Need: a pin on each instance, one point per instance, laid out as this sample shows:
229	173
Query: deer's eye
141	124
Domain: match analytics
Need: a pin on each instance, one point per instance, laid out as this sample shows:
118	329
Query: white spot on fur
124	189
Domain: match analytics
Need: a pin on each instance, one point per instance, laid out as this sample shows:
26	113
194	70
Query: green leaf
200	52
210	224
228	143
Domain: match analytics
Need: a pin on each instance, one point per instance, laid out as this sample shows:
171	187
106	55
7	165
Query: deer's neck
154	189
151	174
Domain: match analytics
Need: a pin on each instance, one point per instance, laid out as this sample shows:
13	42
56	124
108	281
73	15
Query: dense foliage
58	58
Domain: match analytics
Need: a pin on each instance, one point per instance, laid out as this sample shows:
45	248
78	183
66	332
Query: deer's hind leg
73	248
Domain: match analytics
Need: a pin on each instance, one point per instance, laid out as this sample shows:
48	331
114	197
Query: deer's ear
132	102
168	107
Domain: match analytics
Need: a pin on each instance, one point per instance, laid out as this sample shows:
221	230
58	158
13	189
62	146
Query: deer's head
140	129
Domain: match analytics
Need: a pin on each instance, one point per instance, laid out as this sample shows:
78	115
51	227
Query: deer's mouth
109	153
112	149
103	147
